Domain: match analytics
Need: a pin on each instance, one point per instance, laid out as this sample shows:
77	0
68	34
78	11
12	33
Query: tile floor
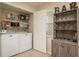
32	53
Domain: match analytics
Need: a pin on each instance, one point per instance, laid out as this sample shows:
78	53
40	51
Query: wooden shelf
66	12
66	39
65	21
65	30
65	25
66	33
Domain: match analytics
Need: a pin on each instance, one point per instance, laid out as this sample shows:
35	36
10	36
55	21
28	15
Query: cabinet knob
10	35
62	45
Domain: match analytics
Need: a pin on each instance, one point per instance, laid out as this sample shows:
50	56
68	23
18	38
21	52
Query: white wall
41	19
39	30
49	35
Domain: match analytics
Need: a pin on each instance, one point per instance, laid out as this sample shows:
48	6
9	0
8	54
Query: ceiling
36	4
12	8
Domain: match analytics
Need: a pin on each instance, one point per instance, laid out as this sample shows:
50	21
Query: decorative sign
72	7
63	8
57	9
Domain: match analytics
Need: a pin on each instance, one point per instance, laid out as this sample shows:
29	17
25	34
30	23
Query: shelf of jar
14	29
66	39
25	21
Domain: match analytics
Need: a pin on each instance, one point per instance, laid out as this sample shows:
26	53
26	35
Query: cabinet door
72	50
25	42
55	49
21	43
28	41
63	50
68	50
9	45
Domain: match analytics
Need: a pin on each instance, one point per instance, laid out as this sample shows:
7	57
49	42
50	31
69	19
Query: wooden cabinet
66	33
55	49
64	49
67	50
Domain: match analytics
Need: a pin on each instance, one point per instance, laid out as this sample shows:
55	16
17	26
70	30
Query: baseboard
20	52
49	53
40	51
